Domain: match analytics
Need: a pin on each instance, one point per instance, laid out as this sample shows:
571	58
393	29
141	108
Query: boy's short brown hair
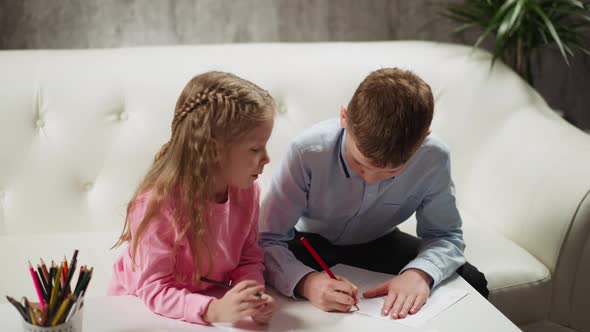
389	116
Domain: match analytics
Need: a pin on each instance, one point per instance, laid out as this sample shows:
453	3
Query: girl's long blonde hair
214	110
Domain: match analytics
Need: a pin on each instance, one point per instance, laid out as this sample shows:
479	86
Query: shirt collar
341	153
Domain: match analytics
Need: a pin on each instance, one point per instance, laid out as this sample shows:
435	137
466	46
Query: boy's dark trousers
387	254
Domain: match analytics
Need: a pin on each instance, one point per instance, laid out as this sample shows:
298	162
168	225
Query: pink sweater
162	279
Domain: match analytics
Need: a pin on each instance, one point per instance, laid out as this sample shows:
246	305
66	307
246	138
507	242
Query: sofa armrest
571	288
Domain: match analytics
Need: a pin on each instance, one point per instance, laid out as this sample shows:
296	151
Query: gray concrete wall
33	24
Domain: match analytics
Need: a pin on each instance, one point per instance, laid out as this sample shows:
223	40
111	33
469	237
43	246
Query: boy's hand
326	293
238	303
406	293
265	310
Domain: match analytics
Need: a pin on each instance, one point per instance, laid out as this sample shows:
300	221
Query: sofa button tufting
123	116
281	107
40	123
87	186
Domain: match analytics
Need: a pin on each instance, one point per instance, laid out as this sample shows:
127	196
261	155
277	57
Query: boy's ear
429	131
343	117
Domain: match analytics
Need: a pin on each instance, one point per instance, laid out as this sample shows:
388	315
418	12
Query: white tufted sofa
79	128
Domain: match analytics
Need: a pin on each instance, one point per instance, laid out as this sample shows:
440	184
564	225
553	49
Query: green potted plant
521	28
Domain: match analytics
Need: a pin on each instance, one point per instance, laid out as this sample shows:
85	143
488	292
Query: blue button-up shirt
315	191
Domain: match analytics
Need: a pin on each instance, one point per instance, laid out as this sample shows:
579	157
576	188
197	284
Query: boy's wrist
425	276
300	287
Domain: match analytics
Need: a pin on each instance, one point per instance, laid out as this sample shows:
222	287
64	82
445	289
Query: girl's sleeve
155	263
251	266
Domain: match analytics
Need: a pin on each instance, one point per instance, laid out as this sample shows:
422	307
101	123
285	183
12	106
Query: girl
195	214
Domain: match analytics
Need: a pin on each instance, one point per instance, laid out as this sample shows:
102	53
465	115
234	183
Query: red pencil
321	262
317	257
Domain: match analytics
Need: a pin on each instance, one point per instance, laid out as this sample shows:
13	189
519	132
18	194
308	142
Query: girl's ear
217	151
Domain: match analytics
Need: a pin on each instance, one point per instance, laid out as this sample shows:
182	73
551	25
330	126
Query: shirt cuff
424	265
195	307
287	280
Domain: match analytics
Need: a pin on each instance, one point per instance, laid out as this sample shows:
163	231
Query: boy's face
361	165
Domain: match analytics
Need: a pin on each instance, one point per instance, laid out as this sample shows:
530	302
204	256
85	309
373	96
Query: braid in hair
191	104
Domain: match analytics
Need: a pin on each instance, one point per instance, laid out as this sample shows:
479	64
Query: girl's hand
266	310
406	293
238	303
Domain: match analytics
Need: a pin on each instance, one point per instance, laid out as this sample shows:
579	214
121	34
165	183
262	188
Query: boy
346	185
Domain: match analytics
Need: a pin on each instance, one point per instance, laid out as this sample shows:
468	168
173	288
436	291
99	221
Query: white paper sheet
440	299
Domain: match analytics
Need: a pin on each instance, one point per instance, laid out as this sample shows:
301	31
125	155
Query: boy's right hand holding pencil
246	299
326	293
326	290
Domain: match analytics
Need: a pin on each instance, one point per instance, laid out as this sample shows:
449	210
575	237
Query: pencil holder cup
74	324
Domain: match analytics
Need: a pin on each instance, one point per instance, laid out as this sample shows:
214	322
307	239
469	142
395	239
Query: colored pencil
37	286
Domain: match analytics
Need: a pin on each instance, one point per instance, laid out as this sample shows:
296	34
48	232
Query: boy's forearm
448	257
283	270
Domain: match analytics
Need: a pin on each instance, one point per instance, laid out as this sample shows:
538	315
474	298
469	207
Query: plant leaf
551	29
579	46
464	27
508	24
574	3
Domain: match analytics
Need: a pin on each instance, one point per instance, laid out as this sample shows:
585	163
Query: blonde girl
195	213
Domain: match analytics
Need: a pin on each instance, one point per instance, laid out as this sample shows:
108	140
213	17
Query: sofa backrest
78	129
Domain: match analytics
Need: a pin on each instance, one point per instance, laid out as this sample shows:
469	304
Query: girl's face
244	161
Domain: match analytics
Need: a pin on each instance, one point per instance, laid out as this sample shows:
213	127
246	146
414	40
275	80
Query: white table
128	314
